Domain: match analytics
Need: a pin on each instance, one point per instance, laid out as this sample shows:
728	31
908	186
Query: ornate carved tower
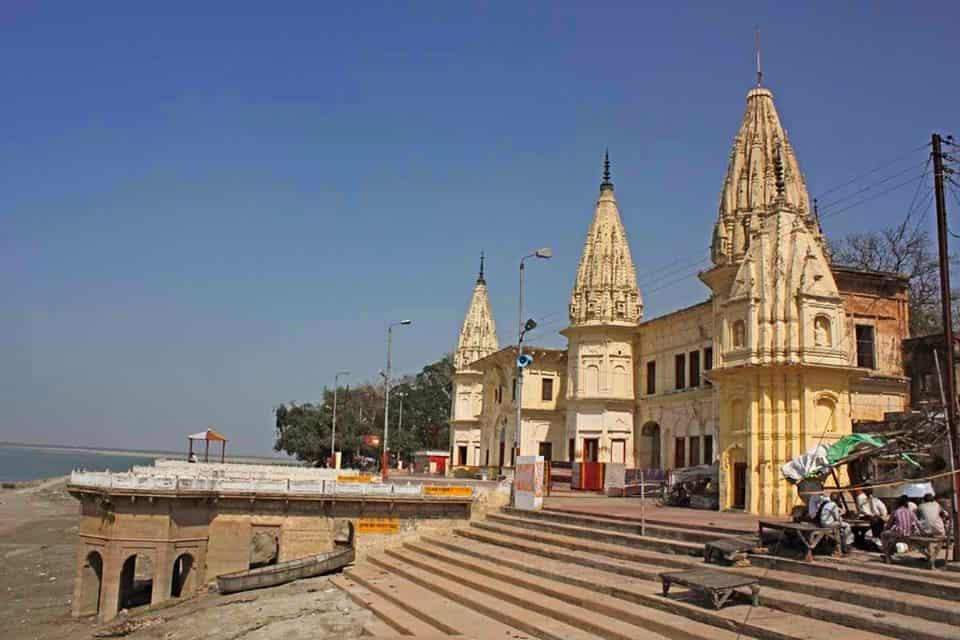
478	339
605	312
781	358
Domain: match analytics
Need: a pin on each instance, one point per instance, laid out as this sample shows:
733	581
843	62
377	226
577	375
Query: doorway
136	582
739	485
462	455
591	449
183	572
546	450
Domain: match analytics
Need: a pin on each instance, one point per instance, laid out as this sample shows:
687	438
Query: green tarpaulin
845	445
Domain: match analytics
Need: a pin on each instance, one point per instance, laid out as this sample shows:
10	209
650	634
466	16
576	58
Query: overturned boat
272	575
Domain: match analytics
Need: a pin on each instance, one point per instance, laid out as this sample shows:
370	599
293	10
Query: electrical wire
874	196
872	185
874	170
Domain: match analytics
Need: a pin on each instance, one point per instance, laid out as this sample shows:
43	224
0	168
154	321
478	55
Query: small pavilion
207	437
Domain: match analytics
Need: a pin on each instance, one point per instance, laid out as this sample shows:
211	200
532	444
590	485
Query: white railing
246	486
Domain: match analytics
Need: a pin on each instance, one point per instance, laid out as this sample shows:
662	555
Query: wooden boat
343	554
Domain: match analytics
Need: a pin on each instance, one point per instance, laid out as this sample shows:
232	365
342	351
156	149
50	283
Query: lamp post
385	463
543	253
333	430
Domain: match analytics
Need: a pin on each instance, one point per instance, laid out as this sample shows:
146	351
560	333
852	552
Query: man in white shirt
872	508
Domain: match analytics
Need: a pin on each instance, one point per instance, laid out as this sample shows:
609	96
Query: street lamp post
333	430
522	327
385	463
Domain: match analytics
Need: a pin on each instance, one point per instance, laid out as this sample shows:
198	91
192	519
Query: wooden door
679	453
546	450
739	485
591	449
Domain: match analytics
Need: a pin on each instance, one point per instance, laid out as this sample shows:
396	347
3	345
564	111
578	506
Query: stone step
577	614
551	545
391	619
672	532
624	539
761	622
653	619
653	518
647	565
531	621
933	584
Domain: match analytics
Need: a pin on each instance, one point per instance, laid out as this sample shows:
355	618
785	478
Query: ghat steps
559	575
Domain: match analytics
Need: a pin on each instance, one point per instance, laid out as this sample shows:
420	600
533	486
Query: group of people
909	518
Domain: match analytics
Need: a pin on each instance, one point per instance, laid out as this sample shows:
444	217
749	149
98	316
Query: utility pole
947	317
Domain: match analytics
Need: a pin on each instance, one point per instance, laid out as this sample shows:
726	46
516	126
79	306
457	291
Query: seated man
931	516
830	517
903	522
871	508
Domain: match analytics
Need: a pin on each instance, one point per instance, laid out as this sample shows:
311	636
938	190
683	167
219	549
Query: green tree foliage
303	429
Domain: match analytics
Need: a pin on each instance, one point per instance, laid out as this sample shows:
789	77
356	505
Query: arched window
591	379
739	334
825	415
821	332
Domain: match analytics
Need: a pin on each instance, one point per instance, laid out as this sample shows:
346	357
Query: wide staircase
560	575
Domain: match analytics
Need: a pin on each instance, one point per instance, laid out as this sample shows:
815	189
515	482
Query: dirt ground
38	534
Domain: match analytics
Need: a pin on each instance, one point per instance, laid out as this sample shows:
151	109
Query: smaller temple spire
606	184
480	278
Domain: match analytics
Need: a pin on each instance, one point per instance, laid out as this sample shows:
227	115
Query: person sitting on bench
871	508
829	516
903	522
931	516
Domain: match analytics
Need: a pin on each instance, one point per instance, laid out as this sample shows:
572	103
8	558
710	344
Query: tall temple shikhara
787	352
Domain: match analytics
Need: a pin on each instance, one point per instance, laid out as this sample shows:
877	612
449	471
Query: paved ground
631	508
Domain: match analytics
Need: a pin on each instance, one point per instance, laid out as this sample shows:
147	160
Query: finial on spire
756	46
480	278
606	184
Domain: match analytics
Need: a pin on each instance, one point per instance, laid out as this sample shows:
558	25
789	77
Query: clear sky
206	214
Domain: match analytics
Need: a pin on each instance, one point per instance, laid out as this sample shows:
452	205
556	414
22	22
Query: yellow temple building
786	352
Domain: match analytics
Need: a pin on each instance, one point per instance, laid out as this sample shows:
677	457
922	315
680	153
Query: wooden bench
719	585
810	534
730	549
929	546
859	527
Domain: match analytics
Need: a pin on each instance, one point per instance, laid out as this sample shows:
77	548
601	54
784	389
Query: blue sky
207	214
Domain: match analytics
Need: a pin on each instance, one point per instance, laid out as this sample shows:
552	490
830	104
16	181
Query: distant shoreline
141	453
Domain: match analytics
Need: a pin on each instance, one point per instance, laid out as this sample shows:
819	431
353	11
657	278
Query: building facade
786	352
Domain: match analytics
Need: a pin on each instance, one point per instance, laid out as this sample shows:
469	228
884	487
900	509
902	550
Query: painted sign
447	491
360	477
372	440
528	483
378	525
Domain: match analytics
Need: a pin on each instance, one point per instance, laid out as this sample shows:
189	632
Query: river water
32	463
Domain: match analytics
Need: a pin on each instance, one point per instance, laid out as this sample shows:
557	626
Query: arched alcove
91	581
136	582
184	571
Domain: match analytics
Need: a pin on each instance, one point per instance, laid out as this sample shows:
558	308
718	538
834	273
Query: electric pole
947	313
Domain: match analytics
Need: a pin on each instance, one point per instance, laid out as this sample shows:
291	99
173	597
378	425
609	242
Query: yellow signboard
441	491
362	477
378	525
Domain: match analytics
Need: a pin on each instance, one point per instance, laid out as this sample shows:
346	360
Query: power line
871	186
872	197
874	170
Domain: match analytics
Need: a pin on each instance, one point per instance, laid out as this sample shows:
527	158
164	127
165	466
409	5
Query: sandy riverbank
38	536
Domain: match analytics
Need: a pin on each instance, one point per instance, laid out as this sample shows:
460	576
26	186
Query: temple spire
478	334
606	184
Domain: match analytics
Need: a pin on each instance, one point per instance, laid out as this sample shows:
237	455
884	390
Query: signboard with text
528	483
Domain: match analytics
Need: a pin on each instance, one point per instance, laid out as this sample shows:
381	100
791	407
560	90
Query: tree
905	249
303	429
